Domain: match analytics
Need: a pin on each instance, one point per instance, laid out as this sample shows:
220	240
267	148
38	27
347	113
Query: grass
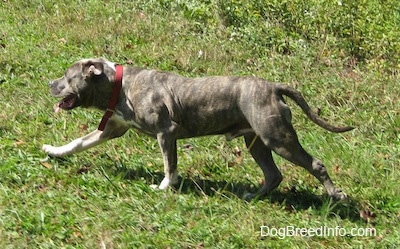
101	198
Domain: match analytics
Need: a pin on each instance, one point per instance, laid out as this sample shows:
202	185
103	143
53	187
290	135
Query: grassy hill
343	56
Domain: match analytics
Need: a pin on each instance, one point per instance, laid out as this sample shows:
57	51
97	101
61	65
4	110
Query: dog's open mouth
67	103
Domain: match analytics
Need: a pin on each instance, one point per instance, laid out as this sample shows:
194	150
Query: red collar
119	70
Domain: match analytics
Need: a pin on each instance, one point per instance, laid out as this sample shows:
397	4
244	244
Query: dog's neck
119	70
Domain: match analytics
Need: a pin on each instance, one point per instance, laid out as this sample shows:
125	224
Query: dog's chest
118	116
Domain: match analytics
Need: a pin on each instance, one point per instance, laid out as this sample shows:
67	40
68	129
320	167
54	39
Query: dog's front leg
92	139
168	150
113	129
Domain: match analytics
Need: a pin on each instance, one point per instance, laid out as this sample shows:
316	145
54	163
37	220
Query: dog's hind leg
169	153
263	156
290	149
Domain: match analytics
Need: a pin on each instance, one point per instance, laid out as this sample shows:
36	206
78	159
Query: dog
169	107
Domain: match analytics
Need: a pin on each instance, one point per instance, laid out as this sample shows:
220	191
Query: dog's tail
299	99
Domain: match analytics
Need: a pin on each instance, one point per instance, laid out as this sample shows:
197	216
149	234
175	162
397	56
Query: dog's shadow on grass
291	199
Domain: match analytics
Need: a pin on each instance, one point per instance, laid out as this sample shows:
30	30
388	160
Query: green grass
101	198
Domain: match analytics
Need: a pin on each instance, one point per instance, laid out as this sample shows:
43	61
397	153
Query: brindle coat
169	107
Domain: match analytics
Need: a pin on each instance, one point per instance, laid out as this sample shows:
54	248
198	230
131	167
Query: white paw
154	186
164	184
53	151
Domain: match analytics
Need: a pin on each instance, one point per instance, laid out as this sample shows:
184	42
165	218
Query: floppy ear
92	68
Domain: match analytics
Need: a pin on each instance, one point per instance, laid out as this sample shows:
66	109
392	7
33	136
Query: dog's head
87	83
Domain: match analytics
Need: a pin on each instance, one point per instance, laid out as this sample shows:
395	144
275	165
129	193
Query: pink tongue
57	108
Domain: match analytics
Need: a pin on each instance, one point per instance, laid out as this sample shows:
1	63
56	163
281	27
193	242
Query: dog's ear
92	68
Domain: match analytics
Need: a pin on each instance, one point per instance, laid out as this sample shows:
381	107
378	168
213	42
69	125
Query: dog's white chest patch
118	116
